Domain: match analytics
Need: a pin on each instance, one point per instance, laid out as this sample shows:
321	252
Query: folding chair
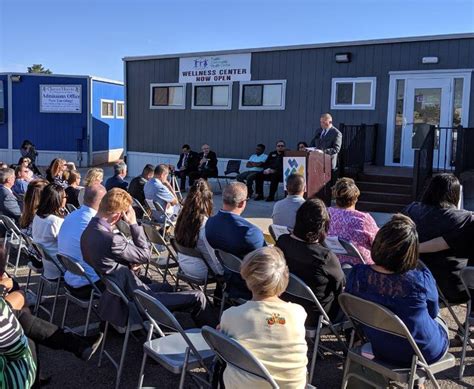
75	268
194	282
179	352
175	186
156	239
139	205
233	167
341	246
13	238
154	206
467	278
235	355
365	313
276	231
56	283
298	288
231	263
33	267
113	288
71	208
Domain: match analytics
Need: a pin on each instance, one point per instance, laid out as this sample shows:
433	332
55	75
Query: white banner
61	98
215	68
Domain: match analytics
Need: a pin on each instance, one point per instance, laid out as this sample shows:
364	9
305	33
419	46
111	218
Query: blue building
78	118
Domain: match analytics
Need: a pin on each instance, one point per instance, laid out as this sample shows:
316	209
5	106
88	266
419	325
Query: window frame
168	85
117	111
354	80
212	84
102	116
262	107
2	101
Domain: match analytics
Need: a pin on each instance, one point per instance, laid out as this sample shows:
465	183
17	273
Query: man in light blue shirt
284	211
254	166
160	191
69	239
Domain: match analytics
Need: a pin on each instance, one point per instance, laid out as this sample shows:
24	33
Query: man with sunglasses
272	171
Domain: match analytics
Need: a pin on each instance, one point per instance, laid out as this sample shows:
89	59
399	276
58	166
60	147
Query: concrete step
390	197
372	206
387	179
365	186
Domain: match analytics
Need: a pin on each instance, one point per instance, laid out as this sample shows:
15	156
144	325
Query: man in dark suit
328	139
188	163
272	171
8	203
117	181
207	165
117	258
137	184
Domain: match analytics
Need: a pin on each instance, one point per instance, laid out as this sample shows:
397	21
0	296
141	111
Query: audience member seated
22	179
69	241
72	191
230	232
272	171
159	190
30	204
117	180
437	216
207	165
138	183
116	257
254	166
8	202
26	163
46	225
190	232
55	172
284	211
395	282
94	176
36	330
271	329
347	223
301	146
28	150
309	259
3	165
188	163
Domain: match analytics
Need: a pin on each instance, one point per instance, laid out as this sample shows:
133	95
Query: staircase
384	190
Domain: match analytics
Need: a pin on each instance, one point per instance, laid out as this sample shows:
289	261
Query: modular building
234	99
78	118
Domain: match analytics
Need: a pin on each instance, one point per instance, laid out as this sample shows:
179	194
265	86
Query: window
262	95
120	110
167	96
212	96
107	108
353	93
2	104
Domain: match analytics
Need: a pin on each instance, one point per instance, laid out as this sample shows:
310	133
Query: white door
428	102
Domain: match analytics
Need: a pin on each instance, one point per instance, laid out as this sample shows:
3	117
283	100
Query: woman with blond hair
271	329
55	172
94	176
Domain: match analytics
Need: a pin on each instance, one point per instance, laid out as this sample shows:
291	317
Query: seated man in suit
117	181
207	165
117	258
137	184
230	232
8	203
328	139
159	190
272	171
188	163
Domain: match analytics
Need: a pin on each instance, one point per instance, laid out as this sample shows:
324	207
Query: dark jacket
116	182
9	204
432	222
331	143
210	166
275	162
190	164
136	189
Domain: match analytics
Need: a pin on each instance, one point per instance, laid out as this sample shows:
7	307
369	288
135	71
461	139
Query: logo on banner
294	167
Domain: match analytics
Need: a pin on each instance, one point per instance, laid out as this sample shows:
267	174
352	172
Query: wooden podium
316	169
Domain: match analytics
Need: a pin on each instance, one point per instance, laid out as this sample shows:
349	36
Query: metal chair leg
58	284
103	343
65	312
315	350
39	296
185	366
89	310
122	357
142	371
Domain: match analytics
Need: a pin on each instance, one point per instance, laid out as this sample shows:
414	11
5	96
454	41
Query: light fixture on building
15	78
430	60
343	57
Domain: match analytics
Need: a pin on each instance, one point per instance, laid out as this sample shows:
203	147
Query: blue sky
92	36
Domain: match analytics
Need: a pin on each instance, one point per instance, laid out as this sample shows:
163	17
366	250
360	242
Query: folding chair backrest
114	289
70	207
352	251
467	278
236	355
276	231
152	233
10	224
229	261
124	228
76	268
233	166
44	255
150	204
185	250
140	206
360	311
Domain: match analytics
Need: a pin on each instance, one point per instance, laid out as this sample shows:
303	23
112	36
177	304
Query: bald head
93	195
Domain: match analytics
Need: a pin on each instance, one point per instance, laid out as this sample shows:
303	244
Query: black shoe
91	344
270	198
258	198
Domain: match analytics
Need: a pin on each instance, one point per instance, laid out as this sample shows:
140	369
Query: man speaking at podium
328	139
